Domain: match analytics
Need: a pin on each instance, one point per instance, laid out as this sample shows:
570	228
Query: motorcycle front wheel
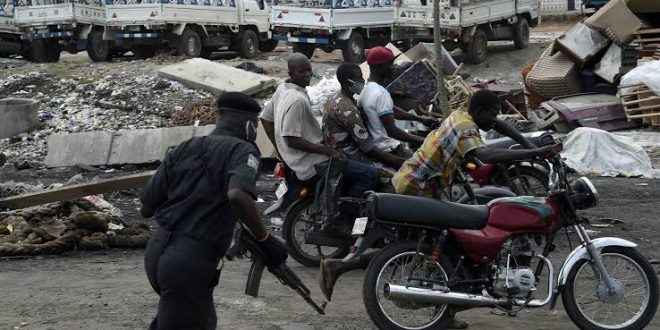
589	304
298	222
396	264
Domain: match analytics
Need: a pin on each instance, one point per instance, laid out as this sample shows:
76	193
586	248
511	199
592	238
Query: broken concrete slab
129	146
76	191
146	145
89	148
17	116
216	77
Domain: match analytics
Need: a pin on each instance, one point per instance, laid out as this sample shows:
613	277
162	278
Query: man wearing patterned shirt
343	126
432	167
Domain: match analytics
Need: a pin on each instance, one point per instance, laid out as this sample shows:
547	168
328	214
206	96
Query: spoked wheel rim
527	185
631	306
407	315
303	224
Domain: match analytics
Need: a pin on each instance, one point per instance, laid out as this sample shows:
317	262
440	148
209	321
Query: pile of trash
615	56
125	96
89	223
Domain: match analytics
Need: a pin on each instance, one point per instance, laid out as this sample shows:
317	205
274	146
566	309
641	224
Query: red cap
379	55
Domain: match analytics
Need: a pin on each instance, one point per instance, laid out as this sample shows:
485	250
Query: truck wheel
98	49
191	44
353	50
44	51
521	34
268	46
143	52
305	49
248	44
478	47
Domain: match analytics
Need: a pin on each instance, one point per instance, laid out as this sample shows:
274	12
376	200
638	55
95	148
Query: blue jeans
359	177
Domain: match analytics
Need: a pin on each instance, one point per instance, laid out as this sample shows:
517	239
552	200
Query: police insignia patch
253	162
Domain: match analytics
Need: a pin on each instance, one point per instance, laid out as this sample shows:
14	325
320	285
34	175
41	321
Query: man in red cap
378	106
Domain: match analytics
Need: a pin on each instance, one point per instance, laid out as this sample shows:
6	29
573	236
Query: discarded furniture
554	75
581	43
587	110
616	21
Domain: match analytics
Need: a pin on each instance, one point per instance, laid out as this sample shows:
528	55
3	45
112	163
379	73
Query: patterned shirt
432	167
344	129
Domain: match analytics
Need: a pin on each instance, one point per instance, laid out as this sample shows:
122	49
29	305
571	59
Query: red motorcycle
445	257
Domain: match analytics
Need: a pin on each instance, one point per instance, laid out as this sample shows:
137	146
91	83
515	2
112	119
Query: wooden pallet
639	102
643	38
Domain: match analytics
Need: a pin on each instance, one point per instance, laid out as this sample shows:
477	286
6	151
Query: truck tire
353	50
478	47
98	49
44	51
191	44
248	44
521	33
305	49
268	46
143	52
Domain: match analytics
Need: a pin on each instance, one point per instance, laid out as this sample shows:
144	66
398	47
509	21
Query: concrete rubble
216	77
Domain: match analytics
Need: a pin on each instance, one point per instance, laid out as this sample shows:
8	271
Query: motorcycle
445	257
303	227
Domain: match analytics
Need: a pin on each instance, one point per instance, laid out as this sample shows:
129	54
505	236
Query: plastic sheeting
591	151
647	73
320	92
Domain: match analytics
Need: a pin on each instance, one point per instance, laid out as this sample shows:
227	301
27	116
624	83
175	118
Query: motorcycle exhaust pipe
428	296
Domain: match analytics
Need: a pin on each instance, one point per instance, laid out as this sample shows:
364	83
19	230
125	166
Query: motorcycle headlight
584	194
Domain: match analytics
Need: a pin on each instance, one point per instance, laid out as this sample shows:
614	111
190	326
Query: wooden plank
643	116
647	31
77	191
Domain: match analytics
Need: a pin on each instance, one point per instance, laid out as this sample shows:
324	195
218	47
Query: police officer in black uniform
200	189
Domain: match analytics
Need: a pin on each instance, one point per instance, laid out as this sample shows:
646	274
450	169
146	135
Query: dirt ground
109	290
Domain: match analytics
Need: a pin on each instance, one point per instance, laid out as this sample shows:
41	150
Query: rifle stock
254	277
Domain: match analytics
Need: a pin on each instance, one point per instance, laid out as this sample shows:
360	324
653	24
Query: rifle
245	245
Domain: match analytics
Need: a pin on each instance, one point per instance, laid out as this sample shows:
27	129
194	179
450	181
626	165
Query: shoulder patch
253	162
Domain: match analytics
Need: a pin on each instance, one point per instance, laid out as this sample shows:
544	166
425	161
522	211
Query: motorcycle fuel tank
510	215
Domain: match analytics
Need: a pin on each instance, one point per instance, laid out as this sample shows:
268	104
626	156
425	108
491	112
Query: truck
49	26
468	24
348	25
10	36
193	28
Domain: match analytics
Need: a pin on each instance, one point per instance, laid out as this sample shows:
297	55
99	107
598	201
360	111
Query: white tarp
592	151
647	73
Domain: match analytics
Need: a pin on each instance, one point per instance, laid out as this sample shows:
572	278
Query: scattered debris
251	67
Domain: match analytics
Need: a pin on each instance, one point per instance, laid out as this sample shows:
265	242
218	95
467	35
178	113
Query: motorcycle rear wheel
640	285
297	223
388	314
528	181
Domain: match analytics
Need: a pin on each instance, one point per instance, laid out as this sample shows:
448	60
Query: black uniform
195	224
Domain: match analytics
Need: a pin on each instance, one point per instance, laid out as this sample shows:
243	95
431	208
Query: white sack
598	152
647	73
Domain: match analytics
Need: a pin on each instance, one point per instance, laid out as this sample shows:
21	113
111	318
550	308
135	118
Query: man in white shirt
298	136
378	106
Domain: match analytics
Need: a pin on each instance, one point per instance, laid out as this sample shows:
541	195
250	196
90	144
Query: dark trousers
183	273
359	177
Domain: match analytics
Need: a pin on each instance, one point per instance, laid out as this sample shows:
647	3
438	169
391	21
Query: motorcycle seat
428	211
545	139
